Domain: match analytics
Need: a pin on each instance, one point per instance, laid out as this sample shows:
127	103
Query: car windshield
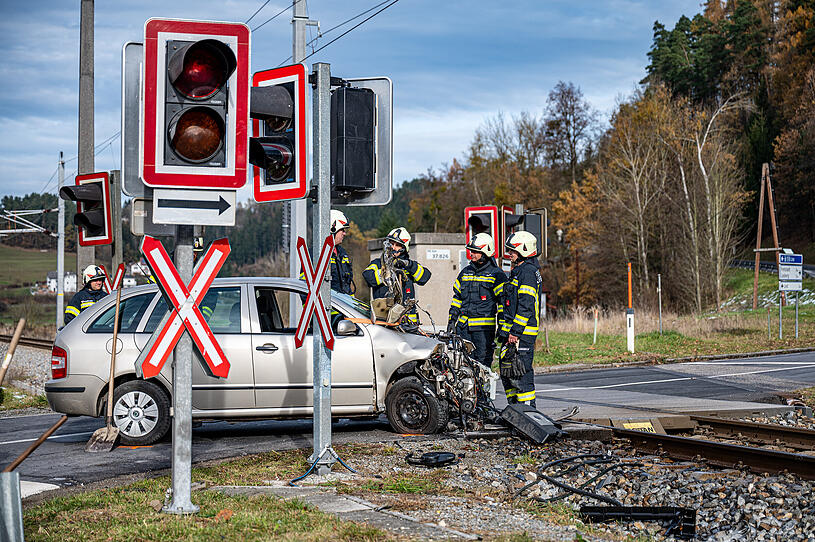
358	305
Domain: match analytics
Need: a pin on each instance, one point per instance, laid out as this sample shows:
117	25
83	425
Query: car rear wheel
411	409
141	411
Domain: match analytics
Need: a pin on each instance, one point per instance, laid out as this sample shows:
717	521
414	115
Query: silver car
373	367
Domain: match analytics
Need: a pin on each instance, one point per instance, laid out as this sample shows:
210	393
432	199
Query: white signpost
790	279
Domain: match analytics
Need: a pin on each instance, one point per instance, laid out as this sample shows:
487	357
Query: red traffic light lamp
196	104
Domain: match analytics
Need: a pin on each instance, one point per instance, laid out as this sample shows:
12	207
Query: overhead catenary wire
276	15
257	11
315	51
107	143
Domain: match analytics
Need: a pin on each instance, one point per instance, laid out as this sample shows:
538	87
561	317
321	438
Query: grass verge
13	398
129	513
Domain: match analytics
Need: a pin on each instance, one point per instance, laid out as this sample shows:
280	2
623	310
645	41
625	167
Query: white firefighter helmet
338	221
522	242
400	236
92	272
483	243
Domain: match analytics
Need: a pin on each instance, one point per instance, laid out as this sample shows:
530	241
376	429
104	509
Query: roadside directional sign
185	313
117	278
314	302
790	272
204	207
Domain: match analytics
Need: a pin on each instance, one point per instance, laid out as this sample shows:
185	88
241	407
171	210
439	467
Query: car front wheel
141	411
410	409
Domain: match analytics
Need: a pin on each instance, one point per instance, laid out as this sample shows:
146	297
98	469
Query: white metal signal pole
182	391
321	132
61	247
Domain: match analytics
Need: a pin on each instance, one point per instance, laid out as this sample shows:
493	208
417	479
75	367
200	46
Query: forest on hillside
669	182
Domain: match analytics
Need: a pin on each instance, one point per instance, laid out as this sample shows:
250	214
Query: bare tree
570	124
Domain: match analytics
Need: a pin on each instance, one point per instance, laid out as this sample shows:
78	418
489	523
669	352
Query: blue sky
454	64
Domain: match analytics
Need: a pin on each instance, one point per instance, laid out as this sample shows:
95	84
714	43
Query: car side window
268	310
131	311
221	308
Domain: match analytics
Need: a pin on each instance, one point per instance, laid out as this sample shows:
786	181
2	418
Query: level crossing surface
730	386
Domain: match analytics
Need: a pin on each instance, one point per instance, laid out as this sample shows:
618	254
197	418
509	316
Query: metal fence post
11	508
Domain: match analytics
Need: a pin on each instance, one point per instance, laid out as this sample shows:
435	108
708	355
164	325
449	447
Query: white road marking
28	488
678	379
731	362
49	438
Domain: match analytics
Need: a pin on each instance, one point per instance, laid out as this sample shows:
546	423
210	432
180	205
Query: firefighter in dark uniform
342	273
413	273
94	279
477	298
519	327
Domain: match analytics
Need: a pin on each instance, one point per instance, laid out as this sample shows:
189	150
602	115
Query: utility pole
61	247
85	256
297	208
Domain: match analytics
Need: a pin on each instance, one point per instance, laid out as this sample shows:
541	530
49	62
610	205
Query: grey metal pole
11	511
659	294
61	247
297	208
116	210
780	319
182	392
796	314
768	324
85	256
323	453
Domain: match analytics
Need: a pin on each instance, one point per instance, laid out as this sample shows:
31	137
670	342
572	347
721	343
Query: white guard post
629	329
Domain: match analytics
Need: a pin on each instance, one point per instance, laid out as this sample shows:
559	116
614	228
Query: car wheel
411	410
141	411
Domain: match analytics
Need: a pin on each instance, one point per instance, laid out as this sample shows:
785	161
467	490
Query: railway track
44	344
726	454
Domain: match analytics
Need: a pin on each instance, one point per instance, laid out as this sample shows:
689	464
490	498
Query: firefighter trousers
522	390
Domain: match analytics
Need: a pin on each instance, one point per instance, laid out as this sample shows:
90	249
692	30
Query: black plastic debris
433	459
532	423
681	521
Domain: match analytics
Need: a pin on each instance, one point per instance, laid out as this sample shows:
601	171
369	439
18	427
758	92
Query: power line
107	143
275	16
352	28
358	15
258	11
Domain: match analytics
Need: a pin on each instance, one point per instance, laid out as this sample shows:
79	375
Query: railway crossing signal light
277	147
196	104
353	140
92	196
481	219
530	222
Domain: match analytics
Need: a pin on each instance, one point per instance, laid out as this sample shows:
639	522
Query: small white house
69	281
136	269
128	281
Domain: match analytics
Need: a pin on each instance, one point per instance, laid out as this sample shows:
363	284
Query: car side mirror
346	327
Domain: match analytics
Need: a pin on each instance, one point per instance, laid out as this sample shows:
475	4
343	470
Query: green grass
12	398
127	513
24	267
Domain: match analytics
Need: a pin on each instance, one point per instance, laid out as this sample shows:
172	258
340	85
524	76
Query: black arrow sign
222	205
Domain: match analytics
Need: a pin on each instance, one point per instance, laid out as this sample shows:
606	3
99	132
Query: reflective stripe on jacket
414	275
477	295
81	300
522	301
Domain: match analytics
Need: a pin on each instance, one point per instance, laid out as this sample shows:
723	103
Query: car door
226	311
283	373
99	334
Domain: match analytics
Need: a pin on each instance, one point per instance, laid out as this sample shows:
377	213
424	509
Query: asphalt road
61	460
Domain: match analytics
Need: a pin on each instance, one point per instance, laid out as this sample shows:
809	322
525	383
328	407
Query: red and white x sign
184	301
314	278
117	278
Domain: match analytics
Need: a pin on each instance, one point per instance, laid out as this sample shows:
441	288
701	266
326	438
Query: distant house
136	269
128	281
69	281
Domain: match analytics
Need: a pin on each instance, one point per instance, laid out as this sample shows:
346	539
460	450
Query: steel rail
758	460
794	437
44	344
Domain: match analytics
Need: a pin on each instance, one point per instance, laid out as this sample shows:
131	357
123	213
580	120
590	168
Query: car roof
277	282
